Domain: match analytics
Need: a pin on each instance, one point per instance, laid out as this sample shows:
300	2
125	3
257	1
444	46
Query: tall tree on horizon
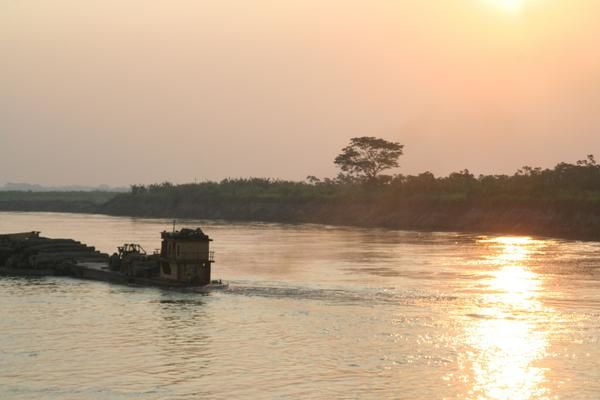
366	157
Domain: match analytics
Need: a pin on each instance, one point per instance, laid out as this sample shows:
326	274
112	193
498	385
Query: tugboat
183	262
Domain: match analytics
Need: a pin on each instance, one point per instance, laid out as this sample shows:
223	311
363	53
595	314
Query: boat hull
101	272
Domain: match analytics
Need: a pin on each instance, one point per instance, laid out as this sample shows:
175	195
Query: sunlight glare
505	367
512	282
512	6
512	250
507	344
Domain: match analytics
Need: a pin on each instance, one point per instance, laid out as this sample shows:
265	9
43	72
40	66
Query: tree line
362	165
563	201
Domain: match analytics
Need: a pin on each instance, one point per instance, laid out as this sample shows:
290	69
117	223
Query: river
312	311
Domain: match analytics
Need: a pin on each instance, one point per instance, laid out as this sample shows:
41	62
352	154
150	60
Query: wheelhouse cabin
185	256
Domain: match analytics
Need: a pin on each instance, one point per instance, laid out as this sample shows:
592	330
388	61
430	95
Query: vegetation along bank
563	201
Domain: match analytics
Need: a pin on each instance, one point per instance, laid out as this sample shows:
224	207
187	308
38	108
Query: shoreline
471	220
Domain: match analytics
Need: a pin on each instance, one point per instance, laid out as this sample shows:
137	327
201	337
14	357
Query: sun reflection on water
505	332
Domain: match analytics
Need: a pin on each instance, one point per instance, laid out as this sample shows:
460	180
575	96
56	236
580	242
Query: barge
184	260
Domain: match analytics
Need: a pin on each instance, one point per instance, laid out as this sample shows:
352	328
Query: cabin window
177	250
166	268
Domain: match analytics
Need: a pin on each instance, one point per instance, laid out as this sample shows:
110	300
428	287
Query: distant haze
136	91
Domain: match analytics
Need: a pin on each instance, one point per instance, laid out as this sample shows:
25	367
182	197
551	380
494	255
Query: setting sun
508	5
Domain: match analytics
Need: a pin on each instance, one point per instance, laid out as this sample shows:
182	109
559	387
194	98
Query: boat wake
342	296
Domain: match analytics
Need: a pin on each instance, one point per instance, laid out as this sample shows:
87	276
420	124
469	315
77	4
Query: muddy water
312	312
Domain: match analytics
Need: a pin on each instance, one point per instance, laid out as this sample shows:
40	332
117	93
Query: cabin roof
186	234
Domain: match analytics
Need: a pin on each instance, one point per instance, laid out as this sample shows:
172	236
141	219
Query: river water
311	312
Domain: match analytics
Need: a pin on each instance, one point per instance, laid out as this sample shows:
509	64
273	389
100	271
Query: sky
125	92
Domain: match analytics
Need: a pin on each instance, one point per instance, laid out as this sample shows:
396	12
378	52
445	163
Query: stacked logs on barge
30	254
183	261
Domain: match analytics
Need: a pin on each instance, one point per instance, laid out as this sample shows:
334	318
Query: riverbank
75	201
580	222
568	219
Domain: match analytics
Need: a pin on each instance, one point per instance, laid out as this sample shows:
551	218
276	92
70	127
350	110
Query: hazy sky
139	91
